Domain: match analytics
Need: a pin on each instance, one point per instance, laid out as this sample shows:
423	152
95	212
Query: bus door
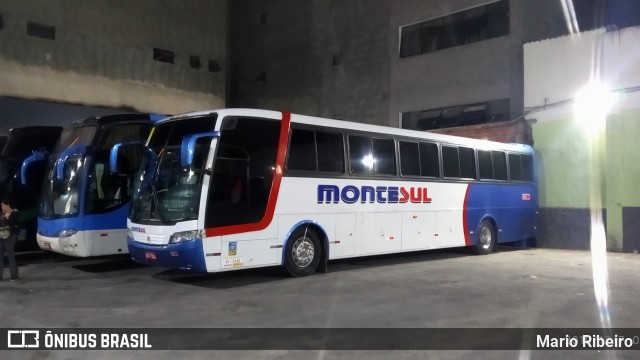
239	190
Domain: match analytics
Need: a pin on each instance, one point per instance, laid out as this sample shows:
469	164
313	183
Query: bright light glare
600	269
368	161
592	103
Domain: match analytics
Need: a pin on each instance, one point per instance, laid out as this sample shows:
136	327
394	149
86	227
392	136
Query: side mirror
79	149
35	157
189	146
113	154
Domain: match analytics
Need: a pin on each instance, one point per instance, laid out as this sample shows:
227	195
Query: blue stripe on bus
505	204
188	255
116	219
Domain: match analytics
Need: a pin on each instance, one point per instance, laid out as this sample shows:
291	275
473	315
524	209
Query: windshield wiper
159	211
154	193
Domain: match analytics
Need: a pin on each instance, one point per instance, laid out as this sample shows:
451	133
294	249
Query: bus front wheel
486	238
303	252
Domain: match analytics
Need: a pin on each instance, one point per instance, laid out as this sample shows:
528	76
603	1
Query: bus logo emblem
350	194
233	248
526	196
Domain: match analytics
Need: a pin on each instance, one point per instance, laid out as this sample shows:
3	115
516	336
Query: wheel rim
303	252
485	237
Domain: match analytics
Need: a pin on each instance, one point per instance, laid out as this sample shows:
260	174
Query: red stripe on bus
465	222
273	194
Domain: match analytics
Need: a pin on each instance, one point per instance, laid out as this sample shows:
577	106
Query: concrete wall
582	169
294	48
102	54
295	44
478	72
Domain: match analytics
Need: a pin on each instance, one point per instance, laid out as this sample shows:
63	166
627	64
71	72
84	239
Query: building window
336	60
214	66
460	28
194	62
460	115
164	56
41	30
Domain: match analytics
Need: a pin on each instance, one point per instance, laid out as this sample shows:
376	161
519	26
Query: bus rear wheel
486	240
303	252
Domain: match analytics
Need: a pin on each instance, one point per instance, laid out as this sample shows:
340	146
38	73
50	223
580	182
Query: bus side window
450	162
360	155
409	159
499	165
429	160
302	151
384	155
485	164
467	163
330	152
527	167
515	168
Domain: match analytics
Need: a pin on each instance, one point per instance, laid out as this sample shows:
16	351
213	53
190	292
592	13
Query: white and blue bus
242	188
83	206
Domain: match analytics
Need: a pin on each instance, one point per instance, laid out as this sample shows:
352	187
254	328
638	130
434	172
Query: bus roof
356	126
35	129
108	119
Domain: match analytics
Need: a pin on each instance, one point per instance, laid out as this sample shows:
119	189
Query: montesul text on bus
328	194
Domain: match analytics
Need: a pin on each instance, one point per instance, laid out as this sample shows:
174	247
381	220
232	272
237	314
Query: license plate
46	246
149	255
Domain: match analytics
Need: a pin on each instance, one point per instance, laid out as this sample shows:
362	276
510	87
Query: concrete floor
532	288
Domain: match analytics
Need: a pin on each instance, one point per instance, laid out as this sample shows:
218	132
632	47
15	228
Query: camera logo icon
23	339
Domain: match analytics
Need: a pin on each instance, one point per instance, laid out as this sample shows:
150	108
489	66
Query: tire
303	252
485	238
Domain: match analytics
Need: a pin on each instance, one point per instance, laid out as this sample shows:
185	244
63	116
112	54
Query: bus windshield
60	197
74	135
164	191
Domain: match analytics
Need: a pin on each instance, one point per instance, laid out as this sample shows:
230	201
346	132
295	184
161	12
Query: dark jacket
11	222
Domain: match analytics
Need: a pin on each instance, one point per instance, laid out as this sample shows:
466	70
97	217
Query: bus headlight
184	236
67	232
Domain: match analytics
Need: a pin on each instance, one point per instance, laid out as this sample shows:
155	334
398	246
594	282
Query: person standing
9	223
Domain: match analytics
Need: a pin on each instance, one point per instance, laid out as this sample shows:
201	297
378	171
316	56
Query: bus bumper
187	255
73	245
